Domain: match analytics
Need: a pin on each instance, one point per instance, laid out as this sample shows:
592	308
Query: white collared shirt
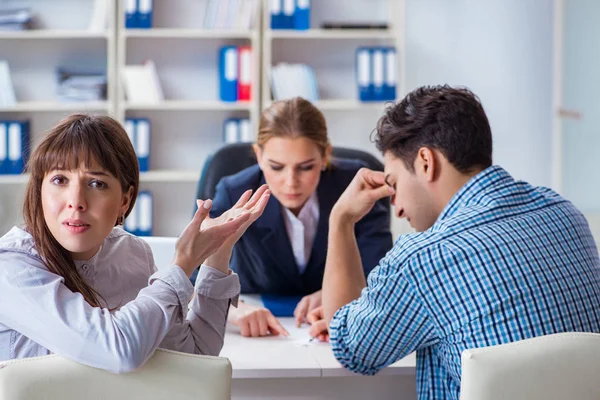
302	230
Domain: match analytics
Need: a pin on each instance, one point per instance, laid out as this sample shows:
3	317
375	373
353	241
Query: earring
323	168
121	220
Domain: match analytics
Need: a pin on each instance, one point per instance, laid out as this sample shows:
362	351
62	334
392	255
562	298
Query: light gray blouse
39	315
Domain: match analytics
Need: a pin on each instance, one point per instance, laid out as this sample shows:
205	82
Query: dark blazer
263	257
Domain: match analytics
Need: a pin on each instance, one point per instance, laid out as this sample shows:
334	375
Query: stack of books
140	221
231	14
14	146
81	85
237	130
291	80
142	84
14	19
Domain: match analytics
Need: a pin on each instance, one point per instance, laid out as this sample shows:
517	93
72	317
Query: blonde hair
293	118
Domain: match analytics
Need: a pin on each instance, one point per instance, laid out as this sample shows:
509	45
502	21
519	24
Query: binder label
275	6
3	137
289	7
14	141
303	4
231	134
142	146
231	64
145	6
245	66
129	6
390	67
129	127
378	68
364	74
145	212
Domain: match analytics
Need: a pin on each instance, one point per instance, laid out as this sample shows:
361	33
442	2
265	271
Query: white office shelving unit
332	54
187	126
59	38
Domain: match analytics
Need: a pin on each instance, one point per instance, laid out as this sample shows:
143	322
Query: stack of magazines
14	19
81	85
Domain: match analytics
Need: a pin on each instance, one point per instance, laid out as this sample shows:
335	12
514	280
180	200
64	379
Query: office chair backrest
552	367
166	375
233	158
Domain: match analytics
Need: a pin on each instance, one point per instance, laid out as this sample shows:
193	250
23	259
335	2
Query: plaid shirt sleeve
386	323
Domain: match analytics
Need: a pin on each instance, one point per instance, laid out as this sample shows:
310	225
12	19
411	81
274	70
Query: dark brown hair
77	139
448	119
293	118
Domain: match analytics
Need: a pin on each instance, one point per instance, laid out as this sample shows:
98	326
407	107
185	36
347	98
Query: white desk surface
292	356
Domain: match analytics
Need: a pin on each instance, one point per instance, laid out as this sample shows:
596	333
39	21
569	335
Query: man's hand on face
360	196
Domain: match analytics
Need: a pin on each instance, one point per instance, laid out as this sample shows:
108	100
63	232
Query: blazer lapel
327	196
275	239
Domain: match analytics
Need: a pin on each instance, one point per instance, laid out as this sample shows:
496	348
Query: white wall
502	50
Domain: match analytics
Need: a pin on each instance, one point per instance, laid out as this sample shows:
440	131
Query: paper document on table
299	335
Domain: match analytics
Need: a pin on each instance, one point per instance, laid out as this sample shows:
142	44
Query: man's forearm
344	277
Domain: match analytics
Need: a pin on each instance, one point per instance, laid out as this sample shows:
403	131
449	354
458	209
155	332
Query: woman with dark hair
72	282
284	253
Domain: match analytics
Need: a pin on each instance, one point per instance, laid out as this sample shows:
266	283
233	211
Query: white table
292	368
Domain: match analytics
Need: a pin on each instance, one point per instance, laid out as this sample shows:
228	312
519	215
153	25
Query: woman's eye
98	184
58	180
307	167
276	168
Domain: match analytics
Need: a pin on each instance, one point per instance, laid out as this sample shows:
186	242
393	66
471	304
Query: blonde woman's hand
197	241
306	305
256	321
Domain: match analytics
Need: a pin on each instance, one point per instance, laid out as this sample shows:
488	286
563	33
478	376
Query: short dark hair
451	120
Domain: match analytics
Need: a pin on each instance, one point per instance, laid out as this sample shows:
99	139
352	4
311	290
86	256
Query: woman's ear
126	201
258	153
327	158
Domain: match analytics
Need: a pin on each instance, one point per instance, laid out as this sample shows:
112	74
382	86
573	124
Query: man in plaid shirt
494	260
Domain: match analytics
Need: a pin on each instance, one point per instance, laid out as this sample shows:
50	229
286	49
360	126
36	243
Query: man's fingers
301	310
275	327
315	315
381	192
373	178
317	328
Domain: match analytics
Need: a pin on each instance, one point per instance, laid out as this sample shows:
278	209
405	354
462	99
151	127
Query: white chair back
163	249
559	366
166	375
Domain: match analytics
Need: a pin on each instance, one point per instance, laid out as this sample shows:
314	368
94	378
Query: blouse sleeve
37	304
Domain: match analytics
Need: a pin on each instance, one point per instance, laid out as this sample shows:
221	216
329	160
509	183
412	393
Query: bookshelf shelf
53	34
189	33
330	34
174	176
164	176
13	179
189	105
54	106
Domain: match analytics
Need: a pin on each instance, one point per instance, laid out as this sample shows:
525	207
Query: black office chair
233	158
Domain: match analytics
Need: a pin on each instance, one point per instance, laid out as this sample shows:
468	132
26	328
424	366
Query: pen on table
311	339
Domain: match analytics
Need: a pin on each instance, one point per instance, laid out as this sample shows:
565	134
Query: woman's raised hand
198	241
251	204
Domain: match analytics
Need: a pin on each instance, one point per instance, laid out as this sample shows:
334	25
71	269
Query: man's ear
426	163
258	153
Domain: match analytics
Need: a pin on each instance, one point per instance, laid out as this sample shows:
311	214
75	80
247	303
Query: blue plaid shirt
504	261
